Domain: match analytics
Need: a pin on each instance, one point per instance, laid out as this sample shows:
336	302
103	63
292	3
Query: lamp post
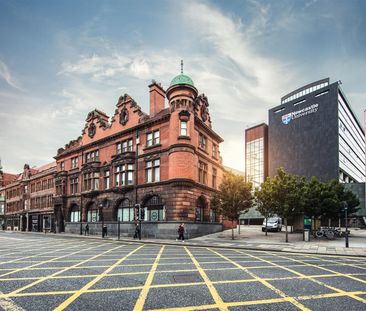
346	219
101	214
136	181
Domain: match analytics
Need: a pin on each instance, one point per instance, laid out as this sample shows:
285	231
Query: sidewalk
252	238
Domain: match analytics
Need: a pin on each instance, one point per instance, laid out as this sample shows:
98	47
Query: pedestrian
87	229
181	232
137	232
105	233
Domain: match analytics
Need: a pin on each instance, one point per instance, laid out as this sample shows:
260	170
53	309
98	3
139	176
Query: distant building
234	171
256	154
256	164
5	179
314	132
29	199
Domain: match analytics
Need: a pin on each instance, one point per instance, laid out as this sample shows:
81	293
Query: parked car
273	224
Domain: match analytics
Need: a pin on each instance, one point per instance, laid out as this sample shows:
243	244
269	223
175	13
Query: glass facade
351	145
254	161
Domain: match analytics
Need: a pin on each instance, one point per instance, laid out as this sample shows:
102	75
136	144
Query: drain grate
186	278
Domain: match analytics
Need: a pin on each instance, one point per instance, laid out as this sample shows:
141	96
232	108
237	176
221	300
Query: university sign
286	118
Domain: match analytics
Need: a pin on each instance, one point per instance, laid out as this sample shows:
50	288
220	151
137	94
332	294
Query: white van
273	224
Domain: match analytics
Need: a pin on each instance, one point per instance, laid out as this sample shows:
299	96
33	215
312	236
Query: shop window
125	212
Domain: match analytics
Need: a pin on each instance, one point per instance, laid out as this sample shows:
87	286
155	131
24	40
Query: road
57	273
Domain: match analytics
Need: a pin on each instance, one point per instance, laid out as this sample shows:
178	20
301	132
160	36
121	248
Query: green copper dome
182	79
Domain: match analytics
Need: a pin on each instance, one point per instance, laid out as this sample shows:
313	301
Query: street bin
307	235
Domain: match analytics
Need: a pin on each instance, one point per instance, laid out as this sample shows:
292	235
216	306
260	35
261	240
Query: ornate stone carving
123	116
91	130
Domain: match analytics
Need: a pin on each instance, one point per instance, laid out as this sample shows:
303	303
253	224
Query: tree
264	200
340	194
234	196
287	195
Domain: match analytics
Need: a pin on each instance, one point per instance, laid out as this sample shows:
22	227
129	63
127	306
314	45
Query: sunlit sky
61	59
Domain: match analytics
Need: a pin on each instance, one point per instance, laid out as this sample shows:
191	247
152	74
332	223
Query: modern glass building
256	164
256	154
314	132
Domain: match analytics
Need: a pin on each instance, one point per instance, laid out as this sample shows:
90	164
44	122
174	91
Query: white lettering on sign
286	118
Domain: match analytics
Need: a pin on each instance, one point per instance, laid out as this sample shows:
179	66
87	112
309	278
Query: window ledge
203	150
184	137
152	147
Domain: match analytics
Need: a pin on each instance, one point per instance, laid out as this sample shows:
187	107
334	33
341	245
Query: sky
61	59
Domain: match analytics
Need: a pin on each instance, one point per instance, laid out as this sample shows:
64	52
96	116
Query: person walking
181	232
87	229
137	232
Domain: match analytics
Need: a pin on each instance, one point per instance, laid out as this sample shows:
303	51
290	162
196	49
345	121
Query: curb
173	243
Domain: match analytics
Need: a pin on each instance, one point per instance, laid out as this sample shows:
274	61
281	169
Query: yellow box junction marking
339	291
145	290
67	302
215	295
50	260
265	283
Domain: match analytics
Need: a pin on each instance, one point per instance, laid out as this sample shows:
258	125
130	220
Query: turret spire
181	67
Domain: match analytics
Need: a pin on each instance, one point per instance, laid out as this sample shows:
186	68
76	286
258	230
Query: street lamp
345	205
101	214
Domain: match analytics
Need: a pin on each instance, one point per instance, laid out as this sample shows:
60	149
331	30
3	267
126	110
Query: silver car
273	224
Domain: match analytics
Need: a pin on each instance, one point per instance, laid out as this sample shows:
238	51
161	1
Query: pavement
56	272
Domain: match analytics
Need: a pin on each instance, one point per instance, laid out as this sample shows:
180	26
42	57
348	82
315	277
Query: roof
182	79
44	167
8	178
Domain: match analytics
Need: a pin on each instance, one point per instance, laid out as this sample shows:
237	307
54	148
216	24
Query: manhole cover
186	278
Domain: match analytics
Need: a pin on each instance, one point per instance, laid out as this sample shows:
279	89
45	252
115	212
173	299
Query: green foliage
234	196
264	199
286	195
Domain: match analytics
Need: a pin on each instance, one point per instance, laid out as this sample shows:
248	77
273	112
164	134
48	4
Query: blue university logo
286	118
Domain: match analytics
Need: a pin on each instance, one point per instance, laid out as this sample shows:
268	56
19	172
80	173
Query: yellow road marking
50	260
139	305
265	283
214	293
68	301
32	256
340	291
61	271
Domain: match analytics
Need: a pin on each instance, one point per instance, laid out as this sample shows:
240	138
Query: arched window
93	213
154	209
201	204
74	213
125	212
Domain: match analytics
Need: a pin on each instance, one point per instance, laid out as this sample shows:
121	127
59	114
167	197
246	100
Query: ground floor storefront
33	222
155	230
164	205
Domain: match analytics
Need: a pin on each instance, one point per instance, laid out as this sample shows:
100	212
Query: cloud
6	75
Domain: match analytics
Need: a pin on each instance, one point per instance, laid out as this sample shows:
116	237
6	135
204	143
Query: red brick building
168	161
29	199
5	179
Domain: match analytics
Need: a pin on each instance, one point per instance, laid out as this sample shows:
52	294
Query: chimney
157	98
